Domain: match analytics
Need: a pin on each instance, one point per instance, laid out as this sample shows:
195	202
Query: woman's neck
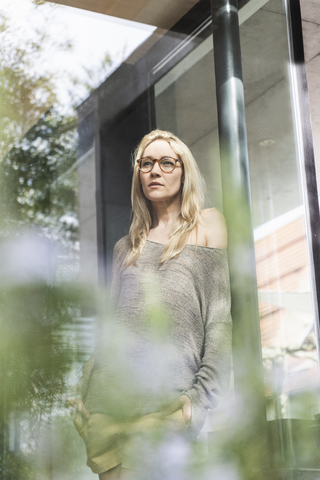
165	212
163	219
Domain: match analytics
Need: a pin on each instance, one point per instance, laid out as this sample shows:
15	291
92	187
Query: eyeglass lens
167	164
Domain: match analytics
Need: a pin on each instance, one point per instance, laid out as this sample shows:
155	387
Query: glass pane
51	59
185	104
284	283
76	97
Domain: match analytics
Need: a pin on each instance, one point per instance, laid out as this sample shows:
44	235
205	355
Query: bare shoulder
213	225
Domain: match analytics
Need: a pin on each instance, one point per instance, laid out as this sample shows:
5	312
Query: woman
183	247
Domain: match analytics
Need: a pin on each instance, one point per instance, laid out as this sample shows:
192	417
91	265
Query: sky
92	36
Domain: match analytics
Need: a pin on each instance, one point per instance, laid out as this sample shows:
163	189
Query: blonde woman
184	247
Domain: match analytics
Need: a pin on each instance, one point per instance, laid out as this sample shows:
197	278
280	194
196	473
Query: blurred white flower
27	257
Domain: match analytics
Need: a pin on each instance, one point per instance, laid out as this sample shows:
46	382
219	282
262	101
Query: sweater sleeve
213	377
120	253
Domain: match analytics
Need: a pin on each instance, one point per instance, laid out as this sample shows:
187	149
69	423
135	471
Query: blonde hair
192	198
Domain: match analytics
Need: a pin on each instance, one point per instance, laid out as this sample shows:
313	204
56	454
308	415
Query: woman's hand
184	403
77	410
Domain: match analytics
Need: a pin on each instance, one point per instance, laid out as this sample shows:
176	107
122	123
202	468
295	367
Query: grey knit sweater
172	335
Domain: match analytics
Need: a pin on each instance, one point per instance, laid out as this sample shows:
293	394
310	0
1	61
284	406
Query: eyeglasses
166	164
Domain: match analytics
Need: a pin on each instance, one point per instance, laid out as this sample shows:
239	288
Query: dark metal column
248	368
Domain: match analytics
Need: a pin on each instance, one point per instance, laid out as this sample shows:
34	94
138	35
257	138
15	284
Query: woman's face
158	185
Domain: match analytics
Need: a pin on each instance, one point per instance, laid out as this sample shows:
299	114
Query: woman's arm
212	379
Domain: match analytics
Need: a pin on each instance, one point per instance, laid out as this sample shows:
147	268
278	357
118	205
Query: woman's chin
157	196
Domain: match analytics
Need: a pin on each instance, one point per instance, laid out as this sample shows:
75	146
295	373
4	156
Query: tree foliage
38	183
39	343
38	143
25	94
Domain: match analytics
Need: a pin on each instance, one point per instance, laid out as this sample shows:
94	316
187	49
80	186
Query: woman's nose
156	170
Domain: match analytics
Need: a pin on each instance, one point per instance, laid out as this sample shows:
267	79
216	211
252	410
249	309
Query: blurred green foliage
39	346
36	349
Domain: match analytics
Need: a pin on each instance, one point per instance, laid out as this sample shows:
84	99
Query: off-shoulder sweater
177	319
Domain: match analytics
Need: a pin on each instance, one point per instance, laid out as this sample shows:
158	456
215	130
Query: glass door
286	285
185	104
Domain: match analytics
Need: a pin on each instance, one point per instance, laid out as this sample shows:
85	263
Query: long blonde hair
192	198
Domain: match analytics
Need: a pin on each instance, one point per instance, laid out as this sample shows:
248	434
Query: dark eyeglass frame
158	160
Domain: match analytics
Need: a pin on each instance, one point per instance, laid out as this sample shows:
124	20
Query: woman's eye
167	162
146	163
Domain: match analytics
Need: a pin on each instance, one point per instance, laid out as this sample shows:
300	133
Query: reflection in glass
48	242
185	104
286	310
284	283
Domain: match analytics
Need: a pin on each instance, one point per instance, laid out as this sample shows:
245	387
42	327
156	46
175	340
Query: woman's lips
154	185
